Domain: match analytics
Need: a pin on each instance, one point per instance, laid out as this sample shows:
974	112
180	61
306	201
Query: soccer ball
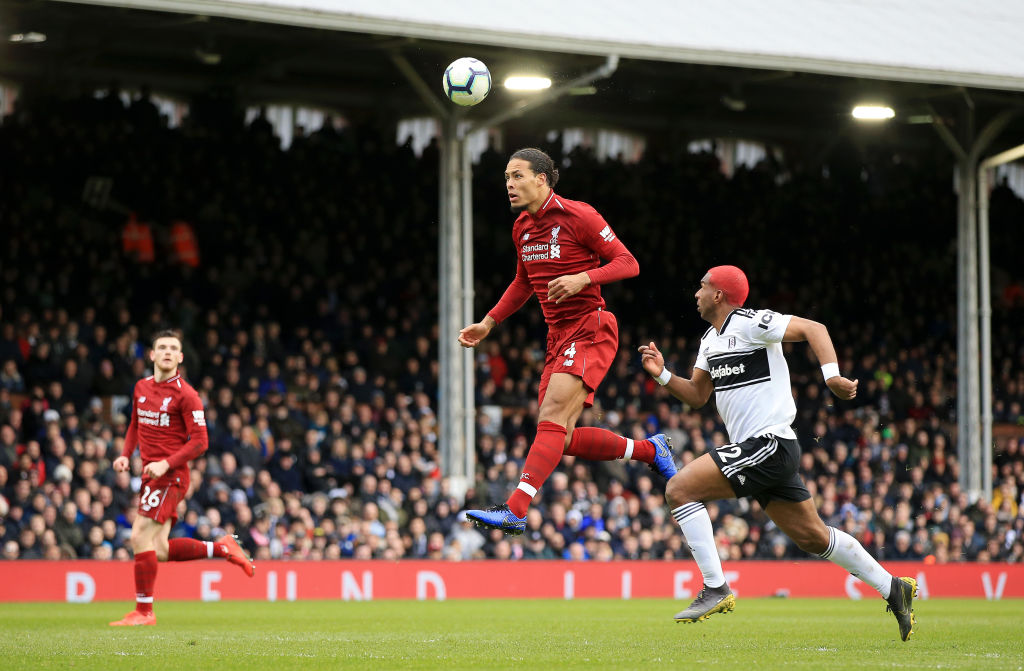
466	81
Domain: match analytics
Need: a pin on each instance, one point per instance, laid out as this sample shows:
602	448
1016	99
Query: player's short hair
539	162
165	333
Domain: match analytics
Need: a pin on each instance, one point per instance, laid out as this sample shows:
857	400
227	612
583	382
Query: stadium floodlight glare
527	83
873	113
27	38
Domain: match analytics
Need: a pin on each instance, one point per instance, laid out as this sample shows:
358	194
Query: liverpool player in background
169	426
740	359
559	244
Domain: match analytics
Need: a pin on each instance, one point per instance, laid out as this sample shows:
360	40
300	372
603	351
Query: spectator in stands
61	305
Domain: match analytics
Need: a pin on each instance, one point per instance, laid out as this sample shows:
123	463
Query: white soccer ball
466	81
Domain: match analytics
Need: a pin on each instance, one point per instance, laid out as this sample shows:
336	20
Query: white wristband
664	377
830	370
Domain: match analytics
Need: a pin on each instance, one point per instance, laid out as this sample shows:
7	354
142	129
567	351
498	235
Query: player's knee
676	492
139	541
812	541
555	413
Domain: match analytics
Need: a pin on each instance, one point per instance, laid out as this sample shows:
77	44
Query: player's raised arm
817	337
695	391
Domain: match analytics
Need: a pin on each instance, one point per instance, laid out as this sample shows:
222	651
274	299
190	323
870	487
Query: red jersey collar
551	202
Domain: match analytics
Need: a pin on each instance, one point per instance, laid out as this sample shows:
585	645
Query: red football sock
145	579
602	445
541	460
187	549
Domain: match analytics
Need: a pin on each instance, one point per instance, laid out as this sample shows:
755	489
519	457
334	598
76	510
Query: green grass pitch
818	634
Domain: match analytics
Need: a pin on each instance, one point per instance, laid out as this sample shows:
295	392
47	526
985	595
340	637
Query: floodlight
527	83
873	112
27	38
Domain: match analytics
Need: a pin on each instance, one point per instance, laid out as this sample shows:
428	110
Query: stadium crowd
311	333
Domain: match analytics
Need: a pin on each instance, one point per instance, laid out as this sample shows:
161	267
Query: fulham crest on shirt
750	374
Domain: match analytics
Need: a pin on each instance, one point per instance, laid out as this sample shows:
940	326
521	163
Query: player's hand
566	286
121	464
473	334
842	387
156	469
652	360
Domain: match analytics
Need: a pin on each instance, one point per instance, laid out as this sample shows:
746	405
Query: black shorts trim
763	467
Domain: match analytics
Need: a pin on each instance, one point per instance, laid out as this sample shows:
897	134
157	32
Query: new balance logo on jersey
606	234
526	236
142	399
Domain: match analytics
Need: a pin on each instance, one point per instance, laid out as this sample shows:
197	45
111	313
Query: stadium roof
787	71
935	41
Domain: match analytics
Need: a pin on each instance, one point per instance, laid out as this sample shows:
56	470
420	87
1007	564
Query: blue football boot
663	462
498	517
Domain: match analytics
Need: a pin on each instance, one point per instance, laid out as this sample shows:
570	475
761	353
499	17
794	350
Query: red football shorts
159	499
585	349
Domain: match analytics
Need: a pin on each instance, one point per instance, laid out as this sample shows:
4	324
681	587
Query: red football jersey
168	422
564	237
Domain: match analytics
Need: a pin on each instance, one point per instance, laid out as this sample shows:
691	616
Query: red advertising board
209	580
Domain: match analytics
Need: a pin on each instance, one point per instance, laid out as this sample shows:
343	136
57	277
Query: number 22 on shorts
727	452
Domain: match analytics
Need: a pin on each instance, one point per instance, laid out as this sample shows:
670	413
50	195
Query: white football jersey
750	374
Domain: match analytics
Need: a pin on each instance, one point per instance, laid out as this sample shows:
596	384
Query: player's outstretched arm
817	337
474	333
515	296
695	391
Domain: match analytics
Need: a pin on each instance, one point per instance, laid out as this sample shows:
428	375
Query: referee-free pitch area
813	634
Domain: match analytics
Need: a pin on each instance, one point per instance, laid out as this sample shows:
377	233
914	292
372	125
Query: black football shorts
763	467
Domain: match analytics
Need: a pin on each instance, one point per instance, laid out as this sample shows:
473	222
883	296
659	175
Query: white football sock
845	550
695	522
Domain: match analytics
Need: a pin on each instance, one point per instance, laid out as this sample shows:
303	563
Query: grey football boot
709	601
901	599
